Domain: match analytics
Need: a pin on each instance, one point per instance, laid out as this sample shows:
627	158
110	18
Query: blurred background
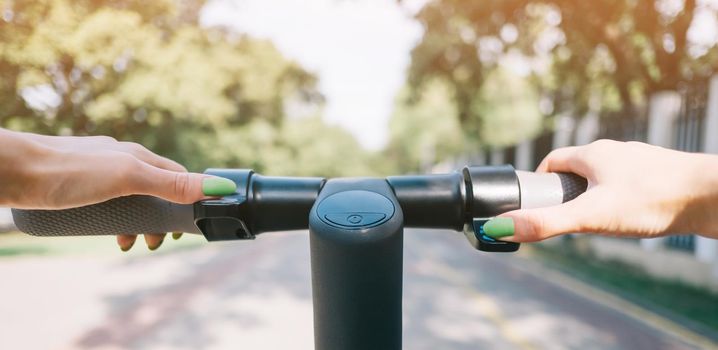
360	88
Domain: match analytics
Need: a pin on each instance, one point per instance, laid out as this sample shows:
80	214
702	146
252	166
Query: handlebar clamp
226	218
491	190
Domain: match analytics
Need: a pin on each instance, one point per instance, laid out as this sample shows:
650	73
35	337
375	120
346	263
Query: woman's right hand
635	190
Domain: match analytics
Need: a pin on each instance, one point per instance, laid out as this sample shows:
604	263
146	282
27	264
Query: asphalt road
257	295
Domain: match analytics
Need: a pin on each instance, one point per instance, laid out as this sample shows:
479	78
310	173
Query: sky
359	49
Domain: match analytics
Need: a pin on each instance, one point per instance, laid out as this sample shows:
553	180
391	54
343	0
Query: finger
126	242
163	163
531	225
145	155
180	187
154	240
140	152
564	160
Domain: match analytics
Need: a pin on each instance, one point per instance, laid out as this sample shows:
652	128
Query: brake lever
474	232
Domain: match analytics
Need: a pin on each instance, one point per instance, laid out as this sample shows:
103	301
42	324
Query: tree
148	72
425	131
621	51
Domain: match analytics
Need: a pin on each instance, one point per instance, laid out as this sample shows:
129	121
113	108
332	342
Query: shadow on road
211	291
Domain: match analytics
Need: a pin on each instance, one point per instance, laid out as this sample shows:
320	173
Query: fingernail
176	235
499	227
127	248
218	186
153	248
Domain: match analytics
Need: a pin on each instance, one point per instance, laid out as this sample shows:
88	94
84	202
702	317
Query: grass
17	244
21	250
666	297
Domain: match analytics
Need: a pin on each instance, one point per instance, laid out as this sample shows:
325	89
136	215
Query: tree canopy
507	67
147	72
609	53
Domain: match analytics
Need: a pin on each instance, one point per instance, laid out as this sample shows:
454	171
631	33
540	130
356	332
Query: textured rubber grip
572	185
124	215
547	189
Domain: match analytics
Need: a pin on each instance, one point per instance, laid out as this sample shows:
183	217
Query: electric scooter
355	229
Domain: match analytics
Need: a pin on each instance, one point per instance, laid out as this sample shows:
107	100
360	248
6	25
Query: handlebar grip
572	185
124	215
547	189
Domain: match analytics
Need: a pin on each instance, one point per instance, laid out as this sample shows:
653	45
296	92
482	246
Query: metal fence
542	145
623	127
688	127
688	136
510	155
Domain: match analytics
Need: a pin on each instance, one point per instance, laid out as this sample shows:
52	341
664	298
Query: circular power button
355	209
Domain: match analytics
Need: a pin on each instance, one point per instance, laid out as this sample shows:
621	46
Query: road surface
257	295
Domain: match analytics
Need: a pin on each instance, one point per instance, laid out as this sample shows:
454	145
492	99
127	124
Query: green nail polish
499	227
218	186
176	235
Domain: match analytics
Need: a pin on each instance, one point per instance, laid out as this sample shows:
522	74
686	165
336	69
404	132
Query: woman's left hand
56	172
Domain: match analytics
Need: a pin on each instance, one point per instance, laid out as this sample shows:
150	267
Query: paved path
256	295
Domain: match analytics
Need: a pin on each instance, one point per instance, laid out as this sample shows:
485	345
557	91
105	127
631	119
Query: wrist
702	204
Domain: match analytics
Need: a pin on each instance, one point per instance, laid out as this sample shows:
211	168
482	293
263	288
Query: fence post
663	109
497	156
563	131
524	155
707	249
587	128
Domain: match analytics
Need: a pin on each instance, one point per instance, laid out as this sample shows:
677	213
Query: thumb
531	225
183	187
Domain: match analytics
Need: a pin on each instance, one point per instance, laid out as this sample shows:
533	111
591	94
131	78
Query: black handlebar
265	204
356	228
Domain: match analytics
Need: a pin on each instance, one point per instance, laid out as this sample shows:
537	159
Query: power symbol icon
354	219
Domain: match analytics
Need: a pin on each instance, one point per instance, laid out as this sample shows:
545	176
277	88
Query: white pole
563	131
525	155
587	128
497	156
707	249
663	109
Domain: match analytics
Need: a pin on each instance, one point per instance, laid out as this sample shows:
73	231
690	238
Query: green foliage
509	109
498	61
303	147
424	129
606	54
147	72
